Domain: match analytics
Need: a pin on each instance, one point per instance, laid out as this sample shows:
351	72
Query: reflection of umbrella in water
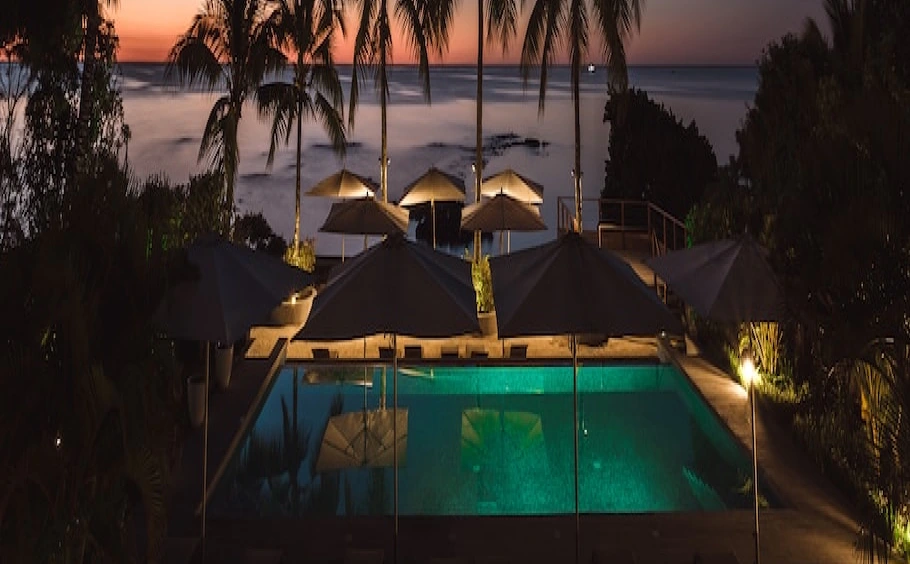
363	439
491	434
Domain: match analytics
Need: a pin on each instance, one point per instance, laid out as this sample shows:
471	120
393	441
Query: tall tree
500	23
554	24
230	45
307	28
425	25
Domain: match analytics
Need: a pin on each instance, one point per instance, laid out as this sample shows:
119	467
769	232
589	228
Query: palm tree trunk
383	102
576	102
297	184
478	158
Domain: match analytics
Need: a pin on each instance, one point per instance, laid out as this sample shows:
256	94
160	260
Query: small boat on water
591	68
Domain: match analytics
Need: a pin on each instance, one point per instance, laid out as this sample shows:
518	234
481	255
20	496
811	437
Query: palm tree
425	25
556	23
501	15
229	42
307	27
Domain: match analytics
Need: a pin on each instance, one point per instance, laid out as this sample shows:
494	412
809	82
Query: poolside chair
321	353
518	351
477	352
413	352
449	351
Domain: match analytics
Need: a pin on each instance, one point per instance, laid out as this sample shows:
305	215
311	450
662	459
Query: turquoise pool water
484	441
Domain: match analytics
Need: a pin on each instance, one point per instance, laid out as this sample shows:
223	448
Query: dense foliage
822	177
653	156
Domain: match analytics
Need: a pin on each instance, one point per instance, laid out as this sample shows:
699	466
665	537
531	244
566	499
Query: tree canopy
653	156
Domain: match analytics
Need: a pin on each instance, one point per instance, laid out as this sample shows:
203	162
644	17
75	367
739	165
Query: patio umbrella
365	216
569	286
513	184
236	288
434	186
401	288
727	281
345	185
501	213
363	439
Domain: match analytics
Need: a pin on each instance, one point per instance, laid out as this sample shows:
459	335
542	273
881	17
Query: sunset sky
673	31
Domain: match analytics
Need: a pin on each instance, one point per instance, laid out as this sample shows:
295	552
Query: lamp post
750	375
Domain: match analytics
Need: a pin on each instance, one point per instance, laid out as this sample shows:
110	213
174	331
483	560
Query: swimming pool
489	440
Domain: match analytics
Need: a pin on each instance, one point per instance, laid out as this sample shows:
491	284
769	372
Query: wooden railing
663	231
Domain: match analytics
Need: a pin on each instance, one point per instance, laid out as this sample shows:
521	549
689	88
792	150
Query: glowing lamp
747	369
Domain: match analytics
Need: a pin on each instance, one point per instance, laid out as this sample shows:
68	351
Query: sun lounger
518	351
477	352
413	352
321	353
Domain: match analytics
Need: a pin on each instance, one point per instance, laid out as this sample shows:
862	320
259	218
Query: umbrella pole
500	243
395	438
205	449
509	242
754	469
365	242
574	344
433	213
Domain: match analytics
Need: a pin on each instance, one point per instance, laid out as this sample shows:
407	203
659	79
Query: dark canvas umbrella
568	287
513	184
365	216
433	186
727	280
236	288
343	184
397	287
501	213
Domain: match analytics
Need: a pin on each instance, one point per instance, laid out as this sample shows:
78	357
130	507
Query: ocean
167	122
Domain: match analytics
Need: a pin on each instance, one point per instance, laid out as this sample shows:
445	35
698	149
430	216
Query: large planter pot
487	321
224	360
295	310
195	399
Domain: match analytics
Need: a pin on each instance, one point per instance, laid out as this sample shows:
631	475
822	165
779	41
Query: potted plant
195	398
296	309
224	360
483	286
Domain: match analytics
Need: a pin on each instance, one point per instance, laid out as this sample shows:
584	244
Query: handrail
656	221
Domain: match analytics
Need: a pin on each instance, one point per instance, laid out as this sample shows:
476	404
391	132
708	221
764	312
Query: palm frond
212	135
332	122
363	54
502	16
278	100
193	62
616	20
148	473
417	30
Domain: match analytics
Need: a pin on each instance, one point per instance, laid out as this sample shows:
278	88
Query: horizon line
494	65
